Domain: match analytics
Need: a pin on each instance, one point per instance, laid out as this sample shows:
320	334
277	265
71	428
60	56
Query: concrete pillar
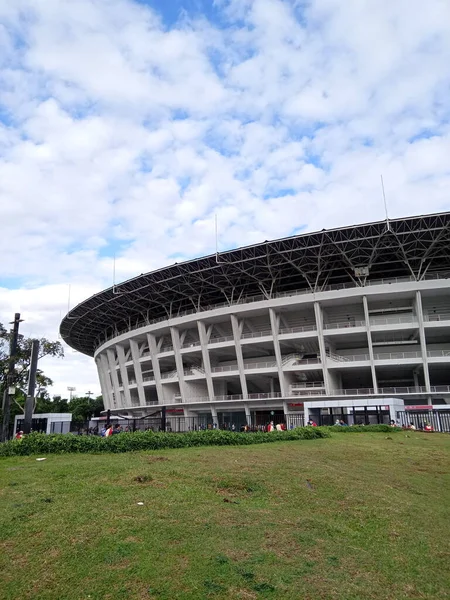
134	347
124	374
179	362
153	347
105	380
203	336
369	344
215	418
115	380
423	343
319	325
240	359
248	416
275	327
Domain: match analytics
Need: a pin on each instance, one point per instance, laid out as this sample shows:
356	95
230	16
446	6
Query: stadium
347	321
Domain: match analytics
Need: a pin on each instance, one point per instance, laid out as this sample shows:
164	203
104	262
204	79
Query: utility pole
9	383
29	402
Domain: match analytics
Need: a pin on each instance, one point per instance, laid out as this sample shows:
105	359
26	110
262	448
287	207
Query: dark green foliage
37	443
363	429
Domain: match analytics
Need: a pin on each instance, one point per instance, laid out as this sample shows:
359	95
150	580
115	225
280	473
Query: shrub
38	443
363	429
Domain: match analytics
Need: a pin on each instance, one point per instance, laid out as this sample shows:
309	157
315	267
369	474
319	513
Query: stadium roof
416	247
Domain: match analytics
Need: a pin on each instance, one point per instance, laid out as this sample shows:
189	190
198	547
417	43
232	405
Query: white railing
392	320
299	329
381	356
344	324
148	378
260	365
260	297
219	340
301	385
256	334
443	316
438	353
305	361
312	392
308	393
397	355
190	345
224	369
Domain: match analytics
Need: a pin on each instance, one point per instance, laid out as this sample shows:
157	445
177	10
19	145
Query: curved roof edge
312	260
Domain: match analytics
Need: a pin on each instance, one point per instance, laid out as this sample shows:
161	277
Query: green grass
352	517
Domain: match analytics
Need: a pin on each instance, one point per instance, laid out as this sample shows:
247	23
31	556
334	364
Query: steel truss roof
417	247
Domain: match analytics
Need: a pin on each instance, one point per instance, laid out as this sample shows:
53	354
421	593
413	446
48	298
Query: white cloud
122	134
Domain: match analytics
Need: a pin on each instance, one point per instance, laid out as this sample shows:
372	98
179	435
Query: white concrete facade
389	339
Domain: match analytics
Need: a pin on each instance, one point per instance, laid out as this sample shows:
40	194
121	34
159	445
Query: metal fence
438	419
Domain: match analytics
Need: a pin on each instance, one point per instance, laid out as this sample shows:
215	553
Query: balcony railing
261	297
256	334
409	319
397	355
438	353
190	345
224	369
444	316
301	385
381	356
344	324
219	340
311	392
298	329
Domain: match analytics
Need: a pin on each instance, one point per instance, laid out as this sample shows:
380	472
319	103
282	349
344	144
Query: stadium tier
355	312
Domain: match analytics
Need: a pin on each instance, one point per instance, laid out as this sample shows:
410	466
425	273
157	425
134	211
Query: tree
85	408
22	366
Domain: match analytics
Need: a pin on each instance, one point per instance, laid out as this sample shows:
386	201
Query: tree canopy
22	367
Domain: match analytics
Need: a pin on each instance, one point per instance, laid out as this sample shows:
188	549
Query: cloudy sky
126	125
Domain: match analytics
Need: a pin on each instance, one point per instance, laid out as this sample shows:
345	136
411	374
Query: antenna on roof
114	290
385	204
217	237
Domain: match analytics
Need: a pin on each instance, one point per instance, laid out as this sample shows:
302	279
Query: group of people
109	429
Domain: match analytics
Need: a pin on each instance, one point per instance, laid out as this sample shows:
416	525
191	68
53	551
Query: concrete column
275	327
179	362
423	342
124	374
134	347
237	330
369	344
248	416
214	415
153	347
105	381
319	325
114	378
203	336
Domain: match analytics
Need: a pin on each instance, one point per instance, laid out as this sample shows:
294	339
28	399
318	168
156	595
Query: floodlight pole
29	402
9	383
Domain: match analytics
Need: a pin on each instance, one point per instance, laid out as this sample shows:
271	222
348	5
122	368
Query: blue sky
126	126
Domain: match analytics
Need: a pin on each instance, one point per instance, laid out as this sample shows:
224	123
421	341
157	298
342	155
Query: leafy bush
38	443
363	429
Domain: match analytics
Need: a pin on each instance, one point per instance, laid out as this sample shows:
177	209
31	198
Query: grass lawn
357	516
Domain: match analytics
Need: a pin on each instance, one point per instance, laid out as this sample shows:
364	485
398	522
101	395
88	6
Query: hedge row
363	429
38	443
